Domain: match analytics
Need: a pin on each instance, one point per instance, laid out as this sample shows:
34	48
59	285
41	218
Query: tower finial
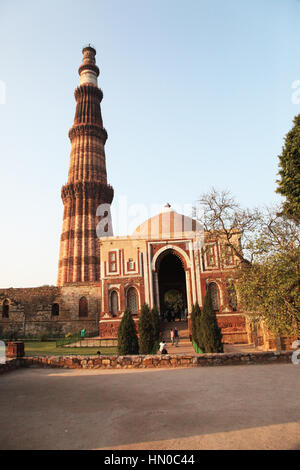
88	70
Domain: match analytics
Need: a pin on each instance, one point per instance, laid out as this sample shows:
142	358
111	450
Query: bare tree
223	219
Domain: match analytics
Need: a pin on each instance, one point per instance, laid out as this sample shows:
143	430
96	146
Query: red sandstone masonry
87	186
145	362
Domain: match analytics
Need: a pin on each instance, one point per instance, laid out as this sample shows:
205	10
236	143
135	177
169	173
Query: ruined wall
30	310
263	339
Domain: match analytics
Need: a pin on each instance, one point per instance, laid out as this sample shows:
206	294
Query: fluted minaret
87	182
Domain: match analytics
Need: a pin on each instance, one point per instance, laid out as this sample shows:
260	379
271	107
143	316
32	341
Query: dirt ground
231	407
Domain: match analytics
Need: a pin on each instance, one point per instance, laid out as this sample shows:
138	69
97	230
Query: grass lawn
48	348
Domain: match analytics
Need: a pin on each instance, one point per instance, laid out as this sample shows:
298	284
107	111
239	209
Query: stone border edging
145	362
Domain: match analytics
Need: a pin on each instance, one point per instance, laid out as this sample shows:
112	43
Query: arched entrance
171	282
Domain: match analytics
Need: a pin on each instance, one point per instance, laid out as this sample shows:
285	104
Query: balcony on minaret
88	70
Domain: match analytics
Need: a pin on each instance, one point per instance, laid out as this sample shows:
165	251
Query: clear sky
197	93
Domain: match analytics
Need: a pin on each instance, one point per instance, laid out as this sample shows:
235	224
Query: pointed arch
83	307
55	310
176	250
113	303
5	309
132	300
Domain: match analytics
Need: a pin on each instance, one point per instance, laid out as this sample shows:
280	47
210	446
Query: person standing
185	313
172	335
169	317
176	337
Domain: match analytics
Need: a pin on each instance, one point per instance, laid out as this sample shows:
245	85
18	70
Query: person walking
176	337
172	335
185	314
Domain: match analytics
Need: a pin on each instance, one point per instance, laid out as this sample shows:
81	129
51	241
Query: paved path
230	407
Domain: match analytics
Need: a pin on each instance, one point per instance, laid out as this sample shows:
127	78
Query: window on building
232	297
114	303
83	307
112	261
228	254
214	295
130	264
210	256
132	301
5	309
55	310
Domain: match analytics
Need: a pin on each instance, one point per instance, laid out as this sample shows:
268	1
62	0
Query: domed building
165	254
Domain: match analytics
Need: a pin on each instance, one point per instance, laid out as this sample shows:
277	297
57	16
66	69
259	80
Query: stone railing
144	362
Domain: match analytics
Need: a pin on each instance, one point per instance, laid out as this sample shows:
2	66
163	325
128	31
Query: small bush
127	336
195	322
155	323
209	333
43	336
146	331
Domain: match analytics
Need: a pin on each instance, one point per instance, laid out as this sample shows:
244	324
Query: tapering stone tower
87	186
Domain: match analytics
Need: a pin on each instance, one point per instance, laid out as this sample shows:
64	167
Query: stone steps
182	327
184	344
93	342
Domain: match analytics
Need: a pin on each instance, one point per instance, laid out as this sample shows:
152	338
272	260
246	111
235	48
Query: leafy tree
195	322
173	299
224	221
209	332
289	172
232	297
146	331
155	323
127	336
270	292
269	288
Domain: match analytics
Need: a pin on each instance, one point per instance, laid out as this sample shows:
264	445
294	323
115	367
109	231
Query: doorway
171	283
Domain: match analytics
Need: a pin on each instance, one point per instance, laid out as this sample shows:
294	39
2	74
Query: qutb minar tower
87	186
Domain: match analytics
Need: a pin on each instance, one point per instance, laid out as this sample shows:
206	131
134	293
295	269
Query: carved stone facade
168	251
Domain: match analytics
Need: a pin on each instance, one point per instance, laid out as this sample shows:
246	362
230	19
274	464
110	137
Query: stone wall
144	362
233	337
264	339
30	309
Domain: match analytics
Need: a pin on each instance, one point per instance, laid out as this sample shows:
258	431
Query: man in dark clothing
176	337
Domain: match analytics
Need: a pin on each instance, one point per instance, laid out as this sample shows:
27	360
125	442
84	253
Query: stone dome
167	224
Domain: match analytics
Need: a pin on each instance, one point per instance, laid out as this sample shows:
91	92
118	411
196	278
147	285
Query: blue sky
196	94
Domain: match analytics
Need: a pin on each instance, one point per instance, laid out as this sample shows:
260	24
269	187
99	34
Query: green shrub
43	336
155	323
209	333
127	336
146	331
195	323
